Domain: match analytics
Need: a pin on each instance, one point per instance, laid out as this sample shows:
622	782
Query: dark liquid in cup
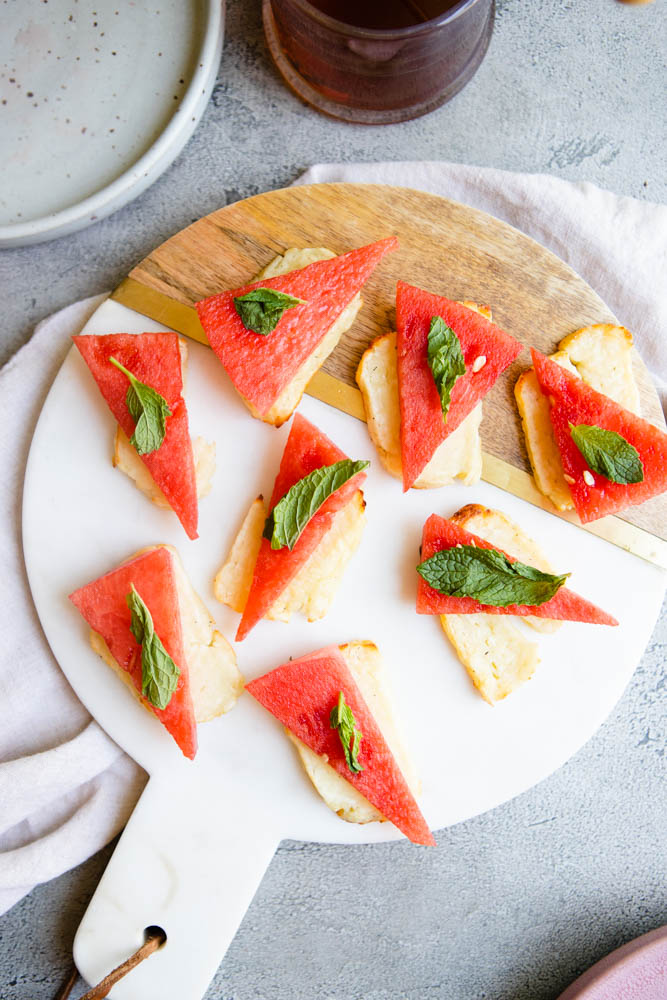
383	14
415	70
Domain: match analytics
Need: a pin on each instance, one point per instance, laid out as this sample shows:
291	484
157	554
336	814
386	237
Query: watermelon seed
588	478
479	363
568	479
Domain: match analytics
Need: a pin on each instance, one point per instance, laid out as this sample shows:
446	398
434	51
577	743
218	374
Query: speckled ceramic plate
96	100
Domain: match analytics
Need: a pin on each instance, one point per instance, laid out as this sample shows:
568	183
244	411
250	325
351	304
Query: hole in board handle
155	932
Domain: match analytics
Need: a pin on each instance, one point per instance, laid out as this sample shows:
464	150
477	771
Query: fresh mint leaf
342	719
488	576
292	513
445	359
148	409
159	673
608	453
262	308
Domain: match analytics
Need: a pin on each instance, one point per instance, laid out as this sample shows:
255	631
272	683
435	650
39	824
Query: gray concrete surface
515	903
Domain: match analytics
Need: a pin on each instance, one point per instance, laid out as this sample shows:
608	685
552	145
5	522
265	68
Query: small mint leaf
292	513
445	359
608	454
262	309
342	719
148	409
487	576
159	673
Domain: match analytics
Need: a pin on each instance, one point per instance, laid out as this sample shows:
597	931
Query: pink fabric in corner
637	971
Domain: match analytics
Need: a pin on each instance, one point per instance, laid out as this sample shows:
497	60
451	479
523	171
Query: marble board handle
189	861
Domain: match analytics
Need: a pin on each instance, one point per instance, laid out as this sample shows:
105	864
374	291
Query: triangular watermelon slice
102	603
262	366
440	534
307	449
301	695
153	358
422	426
576	402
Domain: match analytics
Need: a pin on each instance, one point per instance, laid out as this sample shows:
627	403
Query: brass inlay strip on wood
169	312
328	389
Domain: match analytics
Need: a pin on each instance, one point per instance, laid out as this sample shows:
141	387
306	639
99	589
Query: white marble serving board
204	832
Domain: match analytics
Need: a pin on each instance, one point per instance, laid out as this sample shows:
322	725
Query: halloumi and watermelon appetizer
602	355
291	555
149	624
611	458
141	378
459	456
481	574
449	357
334	709
274	333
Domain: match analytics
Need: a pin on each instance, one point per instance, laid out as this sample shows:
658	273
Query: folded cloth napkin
65	788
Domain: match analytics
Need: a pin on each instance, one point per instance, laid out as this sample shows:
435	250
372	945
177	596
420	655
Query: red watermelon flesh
301	695
422	426
153	358
578	403
441	534
262	366
102	603
307	449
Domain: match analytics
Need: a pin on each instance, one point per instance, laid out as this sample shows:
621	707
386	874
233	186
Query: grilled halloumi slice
366	666
493	648
497	656
288	400
602	356
215	680
128	461
458	457
314	587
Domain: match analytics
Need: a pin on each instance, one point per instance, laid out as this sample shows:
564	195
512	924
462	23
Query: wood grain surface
447	248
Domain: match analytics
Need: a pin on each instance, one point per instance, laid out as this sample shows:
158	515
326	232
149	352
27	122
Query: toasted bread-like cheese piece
495	653
232	583
288	400
498	529
539	435
215	680
128	461
367	668
602	356
458	457
314	587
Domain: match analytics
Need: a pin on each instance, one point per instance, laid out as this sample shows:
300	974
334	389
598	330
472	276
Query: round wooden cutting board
445	247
